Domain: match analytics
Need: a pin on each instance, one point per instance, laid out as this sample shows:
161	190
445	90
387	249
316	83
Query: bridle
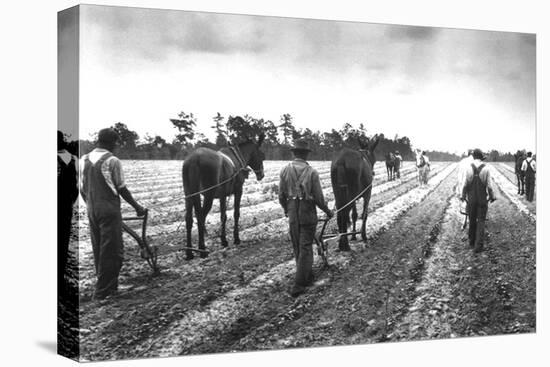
244	167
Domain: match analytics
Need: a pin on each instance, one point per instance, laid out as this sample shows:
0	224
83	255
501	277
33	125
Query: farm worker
398	160
299	194
477	186
102	184
529	168
67	193
423	165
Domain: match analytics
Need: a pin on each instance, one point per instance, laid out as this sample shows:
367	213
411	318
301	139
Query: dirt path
157	302
417	281
233	315
467	294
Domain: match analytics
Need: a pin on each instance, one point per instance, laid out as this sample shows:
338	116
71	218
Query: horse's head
253	155
367	147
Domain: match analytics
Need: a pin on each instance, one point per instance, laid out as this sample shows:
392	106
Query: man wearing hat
102	185
300	194
478	189
398	160
529	168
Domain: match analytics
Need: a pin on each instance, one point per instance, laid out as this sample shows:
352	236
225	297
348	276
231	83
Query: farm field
415	278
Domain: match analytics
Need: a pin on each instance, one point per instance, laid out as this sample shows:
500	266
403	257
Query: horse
390	166
351	175
218	174
519	157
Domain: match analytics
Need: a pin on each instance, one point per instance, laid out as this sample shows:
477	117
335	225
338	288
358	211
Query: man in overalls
478	190
398	160
299	194
67	193
529	168
102	184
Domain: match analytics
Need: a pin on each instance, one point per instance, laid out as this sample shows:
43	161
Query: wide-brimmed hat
478	154
301	145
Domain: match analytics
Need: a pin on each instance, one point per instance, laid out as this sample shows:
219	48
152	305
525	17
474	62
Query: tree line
278	140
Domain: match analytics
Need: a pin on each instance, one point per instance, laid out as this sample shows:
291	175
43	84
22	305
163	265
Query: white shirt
111	169
531	161
484	175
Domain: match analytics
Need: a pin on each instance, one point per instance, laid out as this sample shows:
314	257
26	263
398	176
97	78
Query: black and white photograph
247	183
243	183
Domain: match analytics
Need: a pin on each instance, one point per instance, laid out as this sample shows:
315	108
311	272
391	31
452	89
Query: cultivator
147	252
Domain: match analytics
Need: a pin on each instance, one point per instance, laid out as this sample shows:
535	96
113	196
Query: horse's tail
191	183
341	184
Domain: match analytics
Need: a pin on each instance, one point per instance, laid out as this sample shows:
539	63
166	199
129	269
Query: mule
519	157
351	174
390	166
218	174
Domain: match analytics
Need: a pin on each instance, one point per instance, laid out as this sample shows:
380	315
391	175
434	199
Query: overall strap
477	170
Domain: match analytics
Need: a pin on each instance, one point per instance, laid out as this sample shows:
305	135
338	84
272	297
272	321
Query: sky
446	89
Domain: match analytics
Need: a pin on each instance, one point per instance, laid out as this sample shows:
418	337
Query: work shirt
464	166
426	159
484	176
111	169
531	162
309	189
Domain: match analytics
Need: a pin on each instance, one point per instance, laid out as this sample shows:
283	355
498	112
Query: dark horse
391	166
218	174
520	175
351	174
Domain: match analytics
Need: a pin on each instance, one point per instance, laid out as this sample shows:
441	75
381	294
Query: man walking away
102	183
299	194
529	168
67	193
477	187
398	160
423	165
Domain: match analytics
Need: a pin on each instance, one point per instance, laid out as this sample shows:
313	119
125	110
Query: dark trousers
106	237
477	212
64	220
529	187
302	219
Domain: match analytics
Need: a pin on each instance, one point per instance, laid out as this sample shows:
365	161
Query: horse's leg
343	218
519	182
189	227
522	184
206	206
354	220
236	216
364	215
200	223
223	217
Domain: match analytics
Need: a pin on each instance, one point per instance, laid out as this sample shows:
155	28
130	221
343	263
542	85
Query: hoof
204	255
354	238
224	243
237	242
189	256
